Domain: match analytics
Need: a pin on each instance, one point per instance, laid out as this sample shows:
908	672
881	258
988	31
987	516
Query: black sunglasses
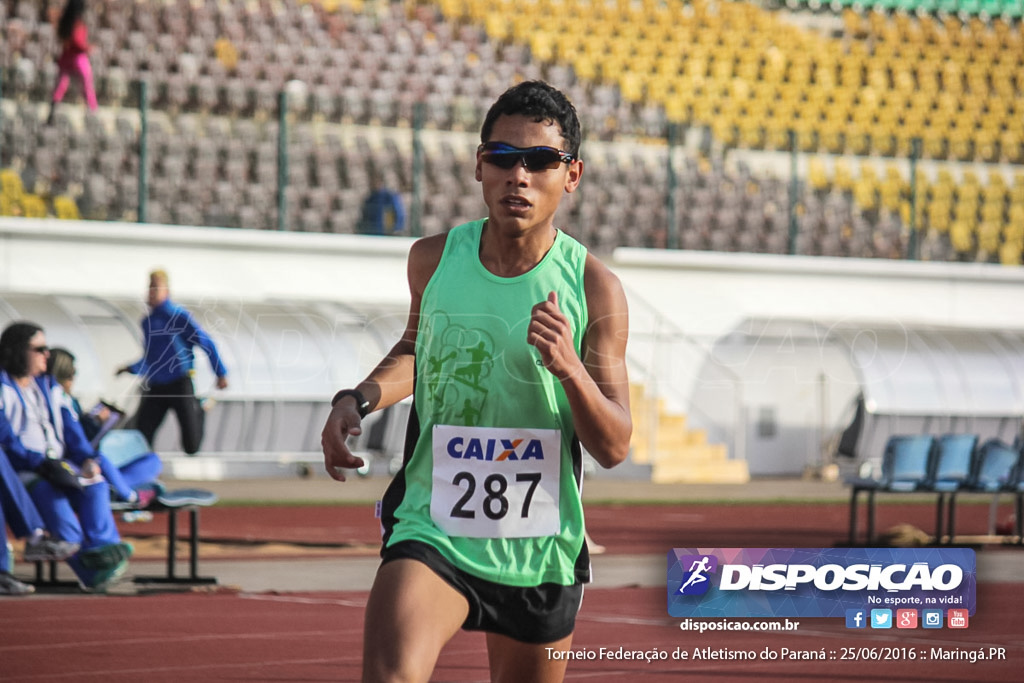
40	349
533	158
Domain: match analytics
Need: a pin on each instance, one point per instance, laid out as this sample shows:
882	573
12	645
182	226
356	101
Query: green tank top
492	468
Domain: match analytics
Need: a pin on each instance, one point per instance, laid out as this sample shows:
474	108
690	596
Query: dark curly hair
544	103
14	347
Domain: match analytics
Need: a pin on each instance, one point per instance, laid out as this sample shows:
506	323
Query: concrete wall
703	294
113	259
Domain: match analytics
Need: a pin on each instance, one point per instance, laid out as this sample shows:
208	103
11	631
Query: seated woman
131	482
66	485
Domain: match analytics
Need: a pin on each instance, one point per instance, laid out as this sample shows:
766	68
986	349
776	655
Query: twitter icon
881	618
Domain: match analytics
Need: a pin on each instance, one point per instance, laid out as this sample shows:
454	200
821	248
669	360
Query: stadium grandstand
887	129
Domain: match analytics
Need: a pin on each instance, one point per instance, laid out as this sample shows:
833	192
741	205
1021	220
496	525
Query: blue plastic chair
905	467
995	470
122	446
997	463
952	468
906	462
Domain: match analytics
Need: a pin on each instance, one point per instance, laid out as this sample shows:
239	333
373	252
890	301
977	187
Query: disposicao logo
822	582
697	580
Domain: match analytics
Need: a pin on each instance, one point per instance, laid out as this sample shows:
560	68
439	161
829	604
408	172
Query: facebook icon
856	618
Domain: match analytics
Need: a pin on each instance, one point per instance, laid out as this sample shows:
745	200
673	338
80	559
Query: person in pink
74	57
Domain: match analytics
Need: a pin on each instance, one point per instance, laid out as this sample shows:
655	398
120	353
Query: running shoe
106	557
144	497
105	578
11	586
45	549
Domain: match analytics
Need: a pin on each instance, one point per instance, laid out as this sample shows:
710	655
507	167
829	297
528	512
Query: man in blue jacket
169	334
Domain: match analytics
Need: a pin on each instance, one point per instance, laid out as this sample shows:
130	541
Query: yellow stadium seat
1010	253
1016	223
542	46
890	195
842	178
724	128
817	176
865	194
751	133
65	208
966	207
10	185
960	237
9	207
938	215
1011	146
985	146
497	27
33	206
226	53
858	139
831	138
988	237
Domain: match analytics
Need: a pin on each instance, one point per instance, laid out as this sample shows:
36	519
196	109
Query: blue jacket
12	422
77	448
169	333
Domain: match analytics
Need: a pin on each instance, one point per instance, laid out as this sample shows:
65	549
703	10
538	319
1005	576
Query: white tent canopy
788	386
939	372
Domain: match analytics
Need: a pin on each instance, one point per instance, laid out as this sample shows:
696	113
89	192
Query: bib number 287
494	504
496	483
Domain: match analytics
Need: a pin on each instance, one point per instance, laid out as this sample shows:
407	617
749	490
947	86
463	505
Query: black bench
171	503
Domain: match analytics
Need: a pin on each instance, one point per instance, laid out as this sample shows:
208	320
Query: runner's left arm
597	385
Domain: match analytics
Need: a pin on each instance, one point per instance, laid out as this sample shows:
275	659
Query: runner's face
517	198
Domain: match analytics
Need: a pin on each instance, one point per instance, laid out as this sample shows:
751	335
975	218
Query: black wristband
362	405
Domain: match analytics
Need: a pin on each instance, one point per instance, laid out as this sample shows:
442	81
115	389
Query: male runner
483	525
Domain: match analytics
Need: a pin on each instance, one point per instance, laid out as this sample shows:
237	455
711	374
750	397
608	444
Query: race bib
496	482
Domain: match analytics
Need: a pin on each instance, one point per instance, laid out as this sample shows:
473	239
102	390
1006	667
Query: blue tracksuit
123	479
169	333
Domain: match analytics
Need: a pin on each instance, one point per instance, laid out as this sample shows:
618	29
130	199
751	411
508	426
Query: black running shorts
533	614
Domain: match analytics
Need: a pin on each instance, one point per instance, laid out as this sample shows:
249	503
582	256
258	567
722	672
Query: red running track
316	637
